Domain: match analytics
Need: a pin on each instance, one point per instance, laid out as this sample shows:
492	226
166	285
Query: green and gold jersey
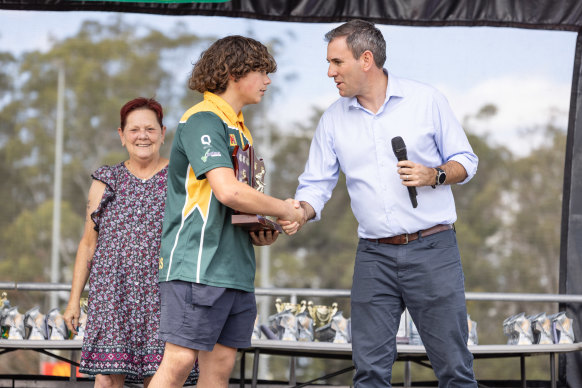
199	243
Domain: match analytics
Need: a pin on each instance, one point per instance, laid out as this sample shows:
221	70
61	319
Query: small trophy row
34	325
408	333
306	322
541	328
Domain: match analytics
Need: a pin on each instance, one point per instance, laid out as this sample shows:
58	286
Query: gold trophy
250	169
320	314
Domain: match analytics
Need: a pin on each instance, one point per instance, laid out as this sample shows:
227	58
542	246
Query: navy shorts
197	316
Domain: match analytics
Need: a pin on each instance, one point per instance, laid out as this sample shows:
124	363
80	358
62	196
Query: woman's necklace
143	178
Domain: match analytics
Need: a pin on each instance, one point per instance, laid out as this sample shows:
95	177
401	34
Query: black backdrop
534	14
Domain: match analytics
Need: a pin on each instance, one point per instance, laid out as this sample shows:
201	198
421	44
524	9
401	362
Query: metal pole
57	188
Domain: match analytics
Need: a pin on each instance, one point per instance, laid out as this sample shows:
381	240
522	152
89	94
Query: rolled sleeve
452	141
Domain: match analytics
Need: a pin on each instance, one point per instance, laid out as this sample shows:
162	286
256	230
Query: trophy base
255	222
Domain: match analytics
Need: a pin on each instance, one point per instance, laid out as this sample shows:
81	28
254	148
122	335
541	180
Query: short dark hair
361	36
141	103
233	55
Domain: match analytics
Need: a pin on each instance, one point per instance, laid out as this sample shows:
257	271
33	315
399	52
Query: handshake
301	212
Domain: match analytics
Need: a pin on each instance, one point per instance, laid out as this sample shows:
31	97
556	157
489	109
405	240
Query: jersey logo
232	140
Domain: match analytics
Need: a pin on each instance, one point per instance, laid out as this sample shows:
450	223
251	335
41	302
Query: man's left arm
415	174
460	162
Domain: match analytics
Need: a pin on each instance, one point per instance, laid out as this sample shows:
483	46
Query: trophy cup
250	170
321	314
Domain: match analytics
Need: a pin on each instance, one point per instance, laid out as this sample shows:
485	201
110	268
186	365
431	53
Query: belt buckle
406	242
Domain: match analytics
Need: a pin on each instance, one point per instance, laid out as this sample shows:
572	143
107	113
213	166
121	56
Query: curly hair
233	55
360	36
141	103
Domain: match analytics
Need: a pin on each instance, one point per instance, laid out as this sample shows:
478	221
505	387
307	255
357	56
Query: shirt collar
224	107
393	89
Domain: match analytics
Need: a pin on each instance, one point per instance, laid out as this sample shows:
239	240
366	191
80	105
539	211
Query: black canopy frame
532	14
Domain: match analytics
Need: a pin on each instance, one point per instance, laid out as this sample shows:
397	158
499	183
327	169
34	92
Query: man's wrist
308	211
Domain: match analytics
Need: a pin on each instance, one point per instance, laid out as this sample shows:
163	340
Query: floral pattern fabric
121	336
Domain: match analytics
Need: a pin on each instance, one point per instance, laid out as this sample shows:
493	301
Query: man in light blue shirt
407	256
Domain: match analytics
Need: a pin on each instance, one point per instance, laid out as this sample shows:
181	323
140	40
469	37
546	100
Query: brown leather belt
406	238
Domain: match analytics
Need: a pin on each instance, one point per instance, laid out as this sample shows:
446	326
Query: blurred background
509	88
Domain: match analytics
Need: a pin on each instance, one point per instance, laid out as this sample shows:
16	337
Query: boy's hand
264	237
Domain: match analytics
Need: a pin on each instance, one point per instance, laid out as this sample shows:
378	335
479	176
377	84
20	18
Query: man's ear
367	60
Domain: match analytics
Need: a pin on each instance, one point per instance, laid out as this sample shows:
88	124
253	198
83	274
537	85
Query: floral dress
121	335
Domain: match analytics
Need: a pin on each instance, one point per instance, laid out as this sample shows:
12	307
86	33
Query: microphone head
399	148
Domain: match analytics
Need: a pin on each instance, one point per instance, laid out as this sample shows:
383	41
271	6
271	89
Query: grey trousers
425	276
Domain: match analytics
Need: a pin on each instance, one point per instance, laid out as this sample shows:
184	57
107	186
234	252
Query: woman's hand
71	316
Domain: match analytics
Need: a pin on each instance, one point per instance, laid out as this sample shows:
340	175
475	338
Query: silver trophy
13	324
542	329
56	325
341	327
305	326
4	306
518	330
563	328
82	320
473	339
35	324
256	330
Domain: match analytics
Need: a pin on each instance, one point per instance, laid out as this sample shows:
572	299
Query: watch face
441	176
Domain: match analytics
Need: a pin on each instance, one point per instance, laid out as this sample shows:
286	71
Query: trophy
256	330
13	324
518	330
4	306
35	323
82	321
56	324
563	328
321	314
473	339
342	327
541	326
304	326
250	170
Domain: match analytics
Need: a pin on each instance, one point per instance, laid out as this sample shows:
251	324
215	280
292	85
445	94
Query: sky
525	73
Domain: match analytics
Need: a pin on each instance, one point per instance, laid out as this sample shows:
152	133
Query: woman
119	253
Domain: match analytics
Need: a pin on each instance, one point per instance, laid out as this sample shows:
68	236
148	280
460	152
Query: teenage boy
207	265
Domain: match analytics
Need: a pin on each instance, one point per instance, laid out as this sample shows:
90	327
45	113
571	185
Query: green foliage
508	215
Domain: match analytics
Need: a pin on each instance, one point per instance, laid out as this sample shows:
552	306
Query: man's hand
307	214
414	174
264	237
297	219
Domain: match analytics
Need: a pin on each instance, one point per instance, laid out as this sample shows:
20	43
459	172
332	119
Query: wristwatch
441	177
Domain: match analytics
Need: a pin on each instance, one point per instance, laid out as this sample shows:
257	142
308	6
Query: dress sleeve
107	175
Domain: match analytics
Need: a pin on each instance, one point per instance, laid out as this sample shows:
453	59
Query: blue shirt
359	142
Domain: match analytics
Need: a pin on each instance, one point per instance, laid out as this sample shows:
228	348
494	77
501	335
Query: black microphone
399	149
